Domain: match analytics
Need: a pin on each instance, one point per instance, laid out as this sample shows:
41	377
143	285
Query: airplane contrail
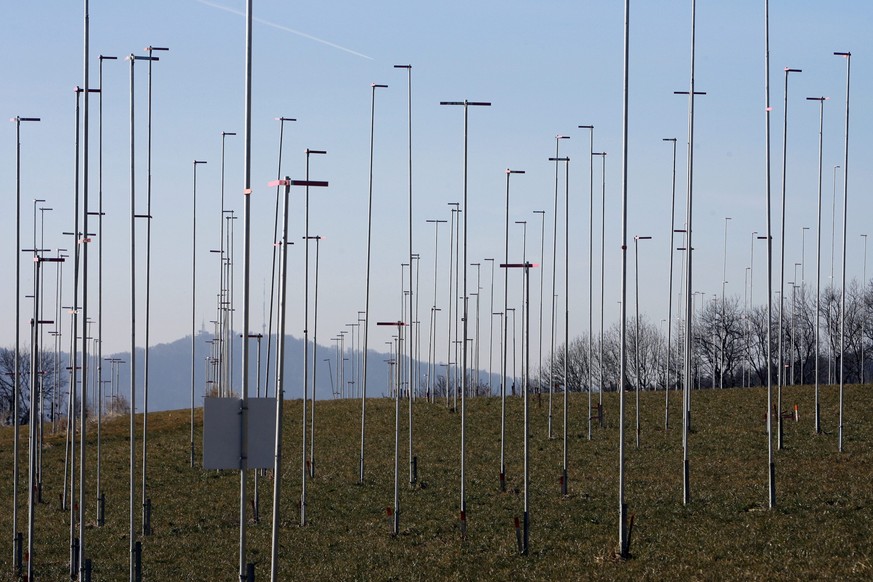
284	28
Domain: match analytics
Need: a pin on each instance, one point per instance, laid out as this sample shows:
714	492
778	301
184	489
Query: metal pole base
623	546
817	419
86	573
101	510
772	485
518	537
302	512
463	523
414	472
564	482
18	543
147	517
250	572
526	534
502	482
137	562
74	558
686	483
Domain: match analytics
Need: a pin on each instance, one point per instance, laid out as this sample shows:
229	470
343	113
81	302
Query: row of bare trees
729	345
51	377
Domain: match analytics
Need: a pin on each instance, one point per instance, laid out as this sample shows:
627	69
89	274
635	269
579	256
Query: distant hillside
170	371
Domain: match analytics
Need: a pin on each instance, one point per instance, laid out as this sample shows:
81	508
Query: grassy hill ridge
821	527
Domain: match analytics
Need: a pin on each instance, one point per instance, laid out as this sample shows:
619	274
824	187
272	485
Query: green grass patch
820	529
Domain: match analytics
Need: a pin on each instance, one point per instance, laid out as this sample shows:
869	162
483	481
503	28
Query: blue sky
546	66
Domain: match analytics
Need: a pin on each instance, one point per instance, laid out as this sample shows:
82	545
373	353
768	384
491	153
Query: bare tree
7	380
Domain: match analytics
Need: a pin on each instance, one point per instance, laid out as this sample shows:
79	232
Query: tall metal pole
590	379
542	214
463	500
247	190
602	273
526	540
74	351
454	212
863	319
524	371
132	492
146	502
412	318
769	360
637	240
686	489
723	284
99	490
74	367
317	239
566	417
556	159
373	88
491	330
276	245
225	302
848	57
780	367
31	425
16	388
431	350
622	507
193	295
476	329
280	385
304	469
84	240
670	286
502	475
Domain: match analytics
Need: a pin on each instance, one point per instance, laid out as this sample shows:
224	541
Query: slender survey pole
771	471
556	159
244	390
304	469
373	88
16	389
670	287
638	375
779	367
503	359
276	246
395	530
193	295
280	382
465	318
101	506
602	156
132	563
848	57
317	240
146	501
821	101
590	374
412	319
431	349
623	536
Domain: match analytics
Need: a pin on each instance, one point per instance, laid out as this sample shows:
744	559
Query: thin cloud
285	29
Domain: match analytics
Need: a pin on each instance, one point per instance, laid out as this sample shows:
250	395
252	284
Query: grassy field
820	529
